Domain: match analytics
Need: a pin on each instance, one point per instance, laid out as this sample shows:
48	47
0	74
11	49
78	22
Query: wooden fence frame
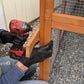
48	20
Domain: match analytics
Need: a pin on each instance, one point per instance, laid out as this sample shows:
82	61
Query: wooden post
46	10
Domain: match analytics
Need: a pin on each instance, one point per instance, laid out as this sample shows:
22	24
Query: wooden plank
69	19
46	9
68	27
68	23
42	25
30	44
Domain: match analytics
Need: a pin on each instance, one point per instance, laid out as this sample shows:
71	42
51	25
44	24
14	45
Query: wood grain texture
68	23
46	9
30	44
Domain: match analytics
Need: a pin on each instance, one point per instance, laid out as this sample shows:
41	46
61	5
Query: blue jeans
6	64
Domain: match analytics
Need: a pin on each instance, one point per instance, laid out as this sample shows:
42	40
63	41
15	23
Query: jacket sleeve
12	77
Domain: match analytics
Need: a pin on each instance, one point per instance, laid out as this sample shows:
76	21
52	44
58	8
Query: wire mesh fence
70	7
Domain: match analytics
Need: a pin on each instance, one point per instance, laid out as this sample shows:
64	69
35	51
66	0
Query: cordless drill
21	29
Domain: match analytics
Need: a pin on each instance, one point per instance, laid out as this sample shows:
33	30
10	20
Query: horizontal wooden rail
30	44
68	22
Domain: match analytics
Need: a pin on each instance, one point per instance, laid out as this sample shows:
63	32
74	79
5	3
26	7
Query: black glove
6	37
38	55
19	41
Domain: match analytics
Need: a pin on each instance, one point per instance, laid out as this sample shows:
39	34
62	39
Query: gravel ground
68	67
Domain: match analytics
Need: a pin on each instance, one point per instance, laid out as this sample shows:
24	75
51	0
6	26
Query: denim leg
33	82
6	64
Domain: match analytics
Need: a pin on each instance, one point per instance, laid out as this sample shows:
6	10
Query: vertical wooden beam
46	10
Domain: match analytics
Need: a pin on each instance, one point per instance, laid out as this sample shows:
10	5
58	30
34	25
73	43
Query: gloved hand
38	55
8	37
19	41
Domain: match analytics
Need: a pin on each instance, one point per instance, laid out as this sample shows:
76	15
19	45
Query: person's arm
14	75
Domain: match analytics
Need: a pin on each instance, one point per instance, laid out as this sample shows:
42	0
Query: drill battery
21	29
